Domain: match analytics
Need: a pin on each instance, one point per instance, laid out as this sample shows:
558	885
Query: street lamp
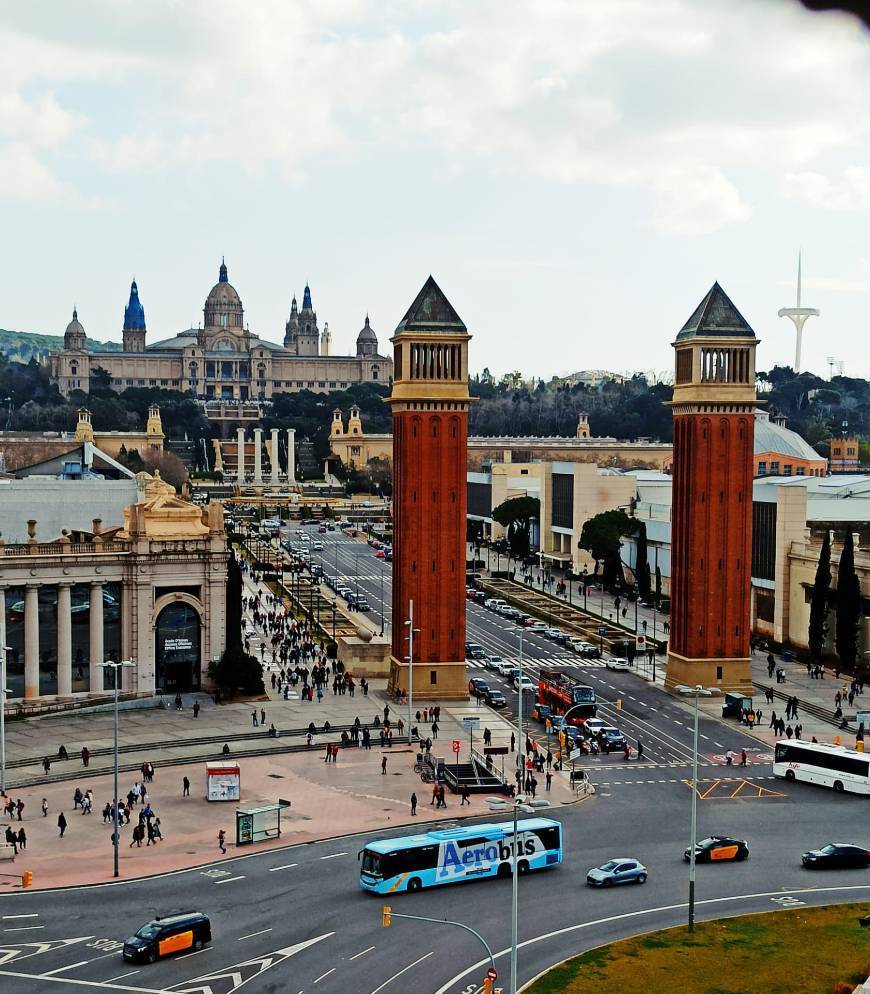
409	624
3	693
696	692
108	664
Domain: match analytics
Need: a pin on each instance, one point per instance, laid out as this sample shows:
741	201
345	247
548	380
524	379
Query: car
717	849
380	554
537	628
316	570
322	529
523	619
583	648
359	604
469	593
493	603
540	712
493	663
524	684
477	687
510	612
612	737
617	664
164	936
556	634
837	856
622	870
250	632
474	651
317	546
495	699
505	668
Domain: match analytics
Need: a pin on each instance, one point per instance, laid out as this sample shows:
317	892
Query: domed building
222	359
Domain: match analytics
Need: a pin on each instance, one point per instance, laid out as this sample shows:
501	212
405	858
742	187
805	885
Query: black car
164	936
837	856
495	699
478	687
718	849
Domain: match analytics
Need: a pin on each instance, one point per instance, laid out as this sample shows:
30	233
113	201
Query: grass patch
804	951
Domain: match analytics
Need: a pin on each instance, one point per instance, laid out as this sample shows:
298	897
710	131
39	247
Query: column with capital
291	456
258	455
64	639
273	458
31	641
240	449
95	613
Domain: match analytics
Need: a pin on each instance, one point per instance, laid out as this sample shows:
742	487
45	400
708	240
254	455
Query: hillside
21	346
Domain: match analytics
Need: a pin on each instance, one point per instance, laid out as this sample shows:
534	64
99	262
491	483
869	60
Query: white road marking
121	977
333	855
22	928
60	969
405	970
196	952
10	917
107	984
229	880
251	935
323	976
286	866
357	956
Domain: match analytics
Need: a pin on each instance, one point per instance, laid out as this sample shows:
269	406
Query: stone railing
63	549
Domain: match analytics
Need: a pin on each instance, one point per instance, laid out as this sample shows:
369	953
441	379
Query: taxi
719	849
185	932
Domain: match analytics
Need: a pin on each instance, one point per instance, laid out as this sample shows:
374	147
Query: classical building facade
713	409
430	426
152	590
222	360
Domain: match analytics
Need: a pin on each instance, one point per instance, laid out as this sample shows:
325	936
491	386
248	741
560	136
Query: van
160	937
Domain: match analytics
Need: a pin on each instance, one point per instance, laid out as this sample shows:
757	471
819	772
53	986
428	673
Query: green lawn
804	951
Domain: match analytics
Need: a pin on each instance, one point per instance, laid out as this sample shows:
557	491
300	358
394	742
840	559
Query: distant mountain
22	346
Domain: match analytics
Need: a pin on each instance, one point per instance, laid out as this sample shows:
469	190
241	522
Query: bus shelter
257	824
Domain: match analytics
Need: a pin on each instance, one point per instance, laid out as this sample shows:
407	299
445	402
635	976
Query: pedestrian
44	807
221	839
46	765
549	779
743	757
639	750
254	718
773	721
441	802
86	755
513	742
383	766
729	758
334	752
464	792
19	807
798	731
262	716
22	838
61	823
328	757
434	729
196	709
185	787
789	731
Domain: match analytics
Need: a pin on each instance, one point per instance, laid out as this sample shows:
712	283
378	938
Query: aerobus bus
451	855
821	763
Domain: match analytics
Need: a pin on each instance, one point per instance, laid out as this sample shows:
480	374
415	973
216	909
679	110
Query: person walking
434	794
464	792
413	804
185	787
434	729
46	765
441	802
22	838
743	757
196	709
639	750
61	823
222	835
548	780
254	718
383	766
86	755
45	807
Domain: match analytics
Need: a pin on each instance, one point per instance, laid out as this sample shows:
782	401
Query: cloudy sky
575	174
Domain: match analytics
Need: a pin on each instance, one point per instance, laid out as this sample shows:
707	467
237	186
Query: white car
592	726
615	663
524	684
505	666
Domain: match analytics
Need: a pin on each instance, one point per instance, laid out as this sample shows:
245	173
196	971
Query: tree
234	618
172	469
818	629
848	606
101	382
641	562
515	515
658	584
602	539
236	670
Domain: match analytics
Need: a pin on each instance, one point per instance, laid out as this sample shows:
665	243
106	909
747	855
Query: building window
332	386
762	467
787	469
774	467
322	385
433	677
800	471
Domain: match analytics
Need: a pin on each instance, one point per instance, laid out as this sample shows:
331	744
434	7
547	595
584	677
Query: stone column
240	435
96	637
64	639
258	455
291	456
274	458
218	456
31	641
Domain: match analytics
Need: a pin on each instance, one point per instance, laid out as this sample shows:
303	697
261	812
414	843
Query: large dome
223	306
366	340
75	326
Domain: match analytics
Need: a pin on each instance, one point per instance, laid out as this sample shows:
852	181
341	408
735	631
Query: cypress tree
848	606
818	629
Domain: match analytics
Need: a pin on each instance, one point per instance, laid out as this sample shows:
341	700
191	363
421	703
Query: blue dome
134	312
306	299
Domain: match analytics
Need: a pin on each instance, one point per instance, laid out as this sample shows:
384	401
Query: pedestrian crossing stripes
533	665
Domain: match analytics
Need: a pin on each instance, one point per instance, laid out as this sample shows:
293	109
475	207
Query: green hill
21	346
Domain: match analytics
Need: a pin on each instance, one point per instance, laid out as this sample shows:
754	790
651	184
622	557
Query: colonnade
274	466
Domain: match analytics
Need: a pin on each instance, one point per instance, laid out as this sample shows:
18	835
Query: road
294	920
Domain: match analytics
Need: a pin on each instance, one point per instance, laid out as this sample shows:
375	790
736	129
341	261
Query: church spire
134	312
306	299
223	278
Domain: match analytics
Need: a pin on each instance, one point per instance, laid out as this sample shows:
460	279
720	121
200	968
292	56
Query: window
787	469
332	386
800	471
774	467
433	677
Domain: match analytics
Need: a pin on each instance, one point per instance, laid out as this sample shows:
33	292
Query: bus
451	855
820	763
560	692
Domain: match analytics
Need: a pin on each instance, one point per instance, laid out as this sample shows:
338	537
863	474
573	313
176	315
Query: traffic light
27	878
387	910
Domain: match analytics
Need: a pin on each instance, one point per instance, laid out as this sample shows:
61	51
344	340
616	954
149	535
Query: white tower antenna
798	316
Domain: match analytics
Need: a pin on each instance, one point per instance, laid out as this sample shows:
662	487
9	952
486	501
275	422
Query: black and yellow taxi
719	849
185	932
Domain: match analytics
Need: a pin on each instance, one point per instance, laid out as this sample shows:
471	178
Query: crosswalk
561	662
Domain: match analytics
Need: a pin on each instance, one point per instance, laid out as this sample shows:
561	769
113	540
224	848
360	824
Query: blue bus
450	855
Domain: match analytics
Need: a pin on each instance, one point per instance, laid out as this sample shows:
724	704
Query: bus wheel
414	885
789	774
504	870
838	786
523	866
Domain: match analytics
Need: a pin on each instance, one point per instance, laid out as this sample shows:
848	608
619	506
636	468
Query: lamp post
409	624
636	598
115	667
3	692
585	581
697	692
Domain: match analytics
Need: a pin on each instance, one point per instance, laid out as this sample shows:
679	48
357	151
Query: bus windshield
584	695
371	863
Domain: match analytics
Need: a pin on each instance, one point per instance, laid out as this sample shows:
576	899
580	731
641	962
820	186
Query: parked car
837	856
359	604
623	870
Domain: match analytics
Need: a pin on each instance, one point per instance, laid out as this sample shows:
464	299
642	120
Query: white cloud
695	199
26	178
850	192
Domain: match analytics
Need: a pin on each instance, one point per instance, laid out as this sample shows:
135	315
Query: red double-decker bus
561	693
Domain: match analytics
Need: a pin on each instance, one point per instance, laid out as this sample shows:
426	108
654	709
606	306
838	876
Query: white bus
820	763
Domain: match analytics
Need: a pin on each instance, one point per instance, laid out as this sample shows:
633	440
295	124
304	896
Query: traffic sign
602	631
457	745
471	723
575	754
640	642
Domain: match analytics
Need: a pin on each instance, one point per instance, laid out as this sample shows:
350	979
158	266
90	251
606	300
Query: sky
574	174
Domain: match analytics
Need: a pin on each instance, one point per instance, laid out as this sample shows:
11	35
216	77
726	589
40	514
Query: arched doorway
177	660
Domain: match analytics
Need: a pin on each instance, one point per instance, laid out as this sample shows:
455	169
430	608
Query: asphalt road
294	920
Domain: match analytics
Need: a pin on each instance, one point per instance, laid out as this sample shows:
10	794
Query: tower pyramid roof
716	315
431	311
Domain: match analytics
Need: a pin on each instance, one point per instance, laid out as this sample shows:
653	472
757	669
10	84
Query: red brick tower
711	524
430	431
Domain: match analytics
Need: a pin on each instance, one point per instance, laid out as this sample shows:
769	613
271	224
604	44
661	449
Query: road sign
640	643
575	754
457	745
471	723
602	631
863	718
495	750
